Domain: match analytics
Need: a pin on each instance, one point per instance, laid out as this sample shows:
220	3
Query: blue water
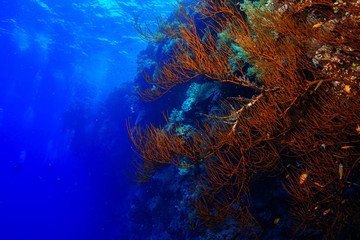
60	61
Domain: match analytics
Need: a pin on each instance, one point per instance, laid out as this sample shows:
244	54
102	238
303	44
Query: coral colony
299	129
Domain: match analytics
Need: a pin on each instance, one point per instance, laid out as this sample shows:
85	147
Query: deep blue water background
57	56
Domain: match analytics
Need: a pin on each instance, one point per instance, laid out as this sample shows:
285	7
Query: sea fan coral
299	127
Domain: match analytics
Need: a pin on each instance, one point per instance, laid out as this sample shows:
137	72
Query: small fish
276	221
341	170
326	212
318	85
323	145
303	177
317	25
347	88
337	156
351	183
284	61
346	147
249	118
240	133
358	129
316	207
318	184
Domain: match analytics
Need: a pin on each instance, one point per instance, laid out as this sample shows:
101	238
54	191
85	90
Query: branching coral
301	123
